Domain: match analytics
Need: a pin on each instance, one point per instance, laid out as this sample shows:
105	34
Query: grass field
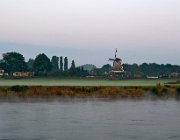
83	82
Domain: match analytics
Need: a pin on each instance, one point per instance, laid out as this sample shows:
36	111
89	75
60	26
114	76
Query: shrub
86	89
155	90
164	90
178	90
18	88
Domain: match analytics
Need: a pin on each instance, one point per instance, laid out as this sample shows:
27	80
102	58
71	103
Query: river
90	119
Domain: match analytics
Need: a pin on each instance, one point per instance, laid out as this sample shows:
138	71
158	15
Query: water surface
90	119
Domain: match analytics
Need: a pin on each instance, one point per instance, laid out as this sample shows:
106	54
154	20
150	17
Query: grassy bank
89	91
85	82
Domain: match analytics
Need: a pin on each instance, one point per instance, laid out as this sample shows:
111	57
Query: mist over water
89	119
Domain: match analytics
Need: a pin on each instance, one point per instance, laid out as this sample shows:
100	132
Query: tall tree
42	65
14	62
55	63
65	63
61	63
73	65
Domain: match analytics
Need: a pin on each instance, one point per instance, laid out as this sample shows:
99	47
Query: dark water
90	120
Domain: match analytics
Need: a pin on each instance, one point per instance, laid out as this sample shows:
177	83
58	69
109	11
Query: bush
155	90
178	90
164	90
18	88
87	89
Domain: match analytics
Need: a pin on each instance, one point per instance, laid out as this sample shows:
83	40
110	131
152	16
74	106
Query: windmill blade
115	52
111	59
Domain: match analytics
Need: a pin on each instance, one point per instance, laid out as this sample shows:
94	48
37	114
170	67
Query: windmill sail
115	52
111	59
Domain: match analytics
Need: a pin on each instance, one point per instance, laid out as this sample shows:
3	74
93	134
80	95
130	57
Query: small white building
152	77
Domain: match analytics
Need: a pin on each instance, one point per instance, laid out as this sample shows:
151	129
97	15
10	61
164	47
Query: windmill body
117	64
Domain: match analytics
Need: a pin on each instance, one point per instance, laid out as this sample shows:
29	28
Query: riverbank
86	82
90	91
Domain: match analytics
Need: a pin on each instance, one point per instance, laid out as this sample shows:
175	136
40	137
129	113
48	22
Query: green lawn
83	82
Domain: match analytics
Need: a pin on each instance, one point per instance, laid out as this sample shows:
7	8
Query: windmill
117	65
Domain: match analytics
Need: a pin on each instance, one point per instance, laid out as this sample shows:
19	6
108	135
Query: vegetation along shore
90	91
100	88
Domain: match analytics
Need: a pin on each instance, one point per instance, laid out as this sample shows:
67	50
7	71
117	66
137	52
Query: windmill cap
118	59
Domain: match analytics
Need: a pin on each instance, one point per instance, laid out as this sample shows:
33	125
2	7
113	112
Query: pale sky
90	30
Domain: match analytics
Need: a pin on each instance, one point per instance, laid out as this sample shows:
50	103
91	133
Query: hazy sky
90	30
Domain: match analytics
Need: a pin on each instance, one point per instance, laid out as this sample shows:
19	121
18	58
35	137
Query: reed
178	90
88	91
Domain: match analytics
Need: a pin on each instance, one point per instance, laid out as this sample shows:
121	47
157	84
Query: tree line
143	70
58	67
40	66
152	69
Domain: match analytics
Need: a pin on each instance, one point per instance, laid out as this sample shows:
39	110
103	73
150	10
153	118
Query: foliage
18	88
42	65
55	63
65	63
84	91
155	90
13	62
61	63
73	65
88	67
103	70
178	90
3	65
30	64
151	69
77	72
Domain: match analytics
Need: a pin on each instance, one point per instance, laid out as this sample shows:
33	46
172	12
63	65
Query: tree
88	67
3	65
103	70
42	65
14	62
55	63
61	63
65	63
73	65
30	64
144	68
106	68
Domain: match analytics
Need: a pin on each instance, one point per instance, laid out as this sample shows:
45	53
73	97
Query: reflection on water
90	119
